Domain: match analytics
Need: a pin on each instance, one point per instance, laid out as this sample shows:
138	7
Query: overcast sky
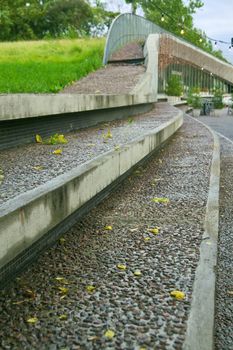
215	18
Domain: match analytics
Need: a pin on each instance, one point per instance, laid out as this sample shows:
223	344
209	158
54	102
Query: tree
178	16
64	15
134	5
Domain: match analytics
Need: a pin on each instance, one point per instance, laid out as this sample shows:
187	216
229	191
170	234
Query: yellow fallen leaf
63	290
19	302
121	267
230	292
39	139
29	293
178	294
108	135
93	337
108	228
147	239
117	148
137	273
160	200
38	167
62	280
109	334
32	320
91	144
63	297
142	349
160	161
63	317
90	288
57	151
155	230
61	139
62	240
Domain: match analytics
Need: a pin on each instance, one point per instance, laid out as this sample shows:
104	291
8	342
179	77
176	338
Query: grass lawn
48	65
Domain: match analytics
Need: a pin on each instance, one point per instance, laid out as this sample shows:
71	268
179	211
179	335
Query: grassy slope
47	66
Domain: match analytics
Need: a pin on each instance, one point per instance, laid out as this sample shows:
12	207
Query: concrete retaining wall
29	216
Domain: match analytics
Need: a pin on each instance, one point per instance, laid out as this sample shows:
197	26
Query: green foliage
194	100
217	99
47	66
37	19
174	86
56	139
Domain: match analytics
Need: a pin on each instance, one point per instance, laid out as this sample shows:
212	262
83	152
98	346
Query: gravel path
224	292
112	79
224	285
129	51
138	309
30	166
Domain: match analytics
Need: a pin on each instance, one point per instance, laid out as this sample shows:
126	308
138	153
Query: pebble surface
224	277
30	166
224	291
112	79
77	291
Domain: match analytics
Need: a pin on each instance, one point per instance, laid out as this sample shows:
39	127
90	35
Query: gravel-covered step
28	167
106	284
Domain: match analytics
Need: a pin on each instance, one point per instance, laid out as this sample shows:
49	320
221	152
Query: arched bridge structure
196	68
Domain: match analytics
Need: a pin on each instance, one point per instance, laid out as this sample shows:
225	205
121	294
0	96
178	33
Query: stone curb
28	217
200	328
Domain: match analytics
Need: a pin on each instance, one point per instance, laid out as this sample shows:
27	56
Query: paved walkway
224	293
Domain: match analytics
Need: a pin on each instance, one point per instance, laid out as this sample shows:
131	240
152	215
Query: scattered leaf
57	151
29	293
117	148
56	139
137	273
62	240
39	139
154	230
230	292
108	228
177	294
91	144
63	297
63	290
133	229
61	280
121	267
94	337
160	161
63	317
38	167
147	239
90	288
32	320
19	302
108	135
109	334
160	200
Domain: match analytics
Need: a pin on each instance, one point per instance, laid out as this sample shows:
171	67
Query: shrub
174	86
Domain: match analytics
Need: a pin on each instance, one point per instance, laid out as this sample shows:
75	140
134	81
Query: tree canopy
174	16
33	19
